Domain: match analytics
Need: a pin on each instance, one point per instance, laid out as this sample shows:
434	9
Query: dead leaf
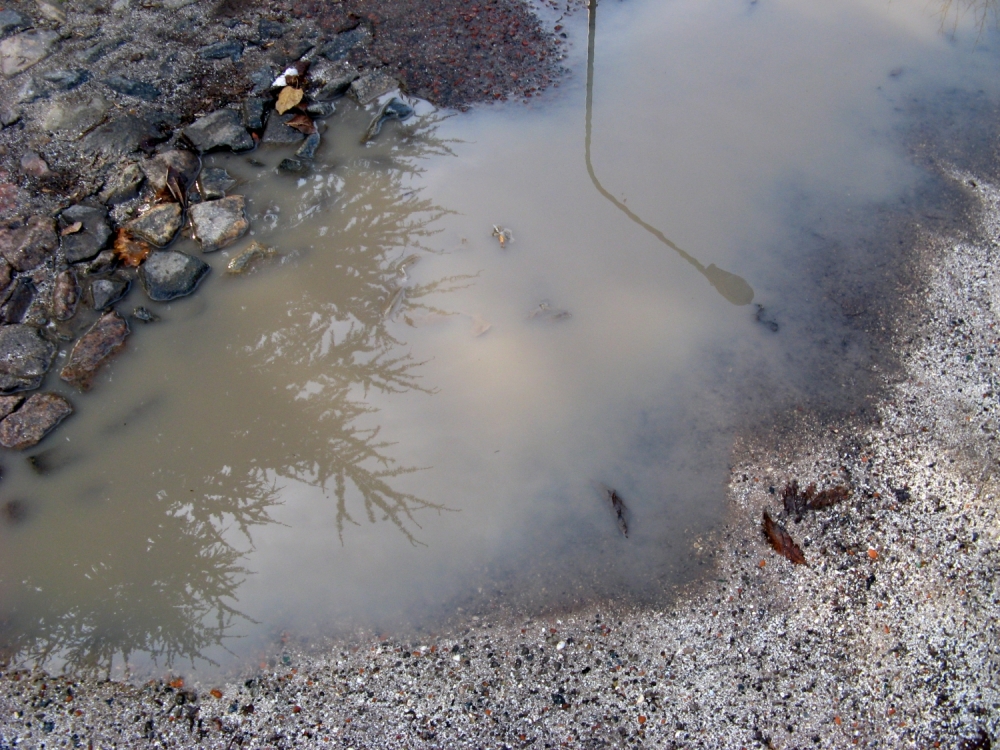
216	693
174	188
782	541
479	325
287	99
73	228
796	502
302	123
130	251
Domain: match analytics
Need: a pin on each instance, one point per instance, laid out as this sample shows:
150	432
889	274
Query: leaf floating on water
544	311
781	540
73	228
130	251
480	326
617	506
503	235
303	124
395	302
287	99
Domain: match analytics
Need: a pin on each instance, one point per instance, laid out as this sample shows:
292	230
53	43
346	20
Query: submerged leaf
287	99
302	123
781	540
130	251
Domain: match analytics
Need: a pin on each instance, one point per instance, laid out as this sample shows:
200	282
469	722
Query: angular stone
220	129
21	51
78	115
33	421
104	339
344	42
253	114
293	166
105	292
249	256
65	295
261	79
214	182
184	164
25	357
90	55
278	132
34	165
5	272
219	223
139	89
91	238
66	79
232	49
26	247
168	274
268	29
30	90
122	185
308	149
52	10
371	86
332	79
19	299
11	20
290	50
158	225
319	110
9	403
122	136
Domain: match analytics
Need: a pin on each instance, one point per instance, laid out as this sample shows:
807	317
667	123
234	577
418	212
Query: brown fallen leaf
287	99
73	228
174	188
797	502
130	251
302	123
781	540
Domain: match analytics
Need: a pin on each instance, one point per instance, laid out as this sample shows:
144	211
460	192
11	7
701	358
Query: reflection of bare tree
953	11
302	415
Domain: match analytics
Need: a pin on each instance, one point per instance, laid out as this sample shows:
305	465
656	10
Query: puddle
399	419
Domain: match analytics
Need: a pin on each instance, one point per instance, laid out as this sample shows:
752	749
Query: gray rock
169	274
262	79
65	295
20	295
9	115
219	223
220	129
64	80
221	50
100	343
27	246
33	165
122	185
11	20
52	10
122	135
331	80
394	109
139	89
214	182
184	164
34	420
144	315
308	149
371	86
30	90
74	115
158	225
105	292
278	132
319	110
90	55
103	263
293	166
268	29
91	239
5	276
253	114
338	47
21	51
25	357
290	50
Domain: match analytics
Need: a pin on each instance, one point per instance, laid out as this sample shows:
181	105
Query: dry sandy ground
886	637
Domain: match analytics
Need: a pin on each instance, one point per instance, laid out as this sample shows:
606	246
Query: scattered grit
886	637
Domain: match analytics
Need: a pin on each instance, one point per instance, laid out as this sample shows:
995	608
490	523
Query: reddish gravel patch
451	52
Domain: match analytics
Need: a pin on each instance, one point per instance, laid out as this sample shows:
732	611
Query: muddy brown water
306	449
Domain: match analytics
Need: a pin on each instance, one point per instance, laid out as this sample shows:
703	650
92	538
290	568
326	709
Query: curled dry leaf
302	123
129	250
781	540
73	228
797	502
287	99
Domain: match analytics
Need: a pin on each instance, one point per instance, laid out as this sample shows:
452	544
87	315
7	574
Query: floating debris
394	109
544	311
781	540
395	302
765	319
480	325
146	316
256	251
617	506
503	235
